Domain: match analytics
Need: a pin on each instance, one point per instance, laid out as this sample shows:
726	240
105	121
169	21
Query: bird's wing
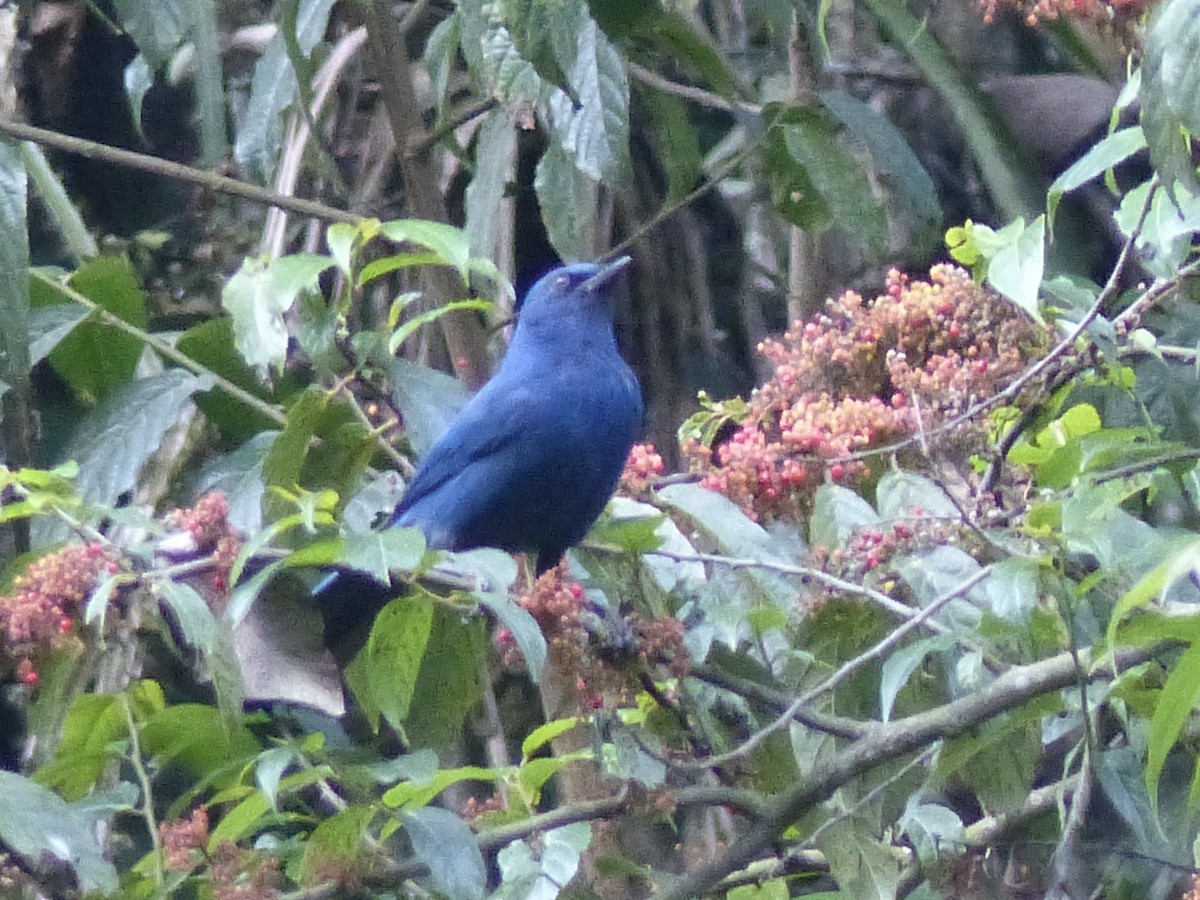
497	417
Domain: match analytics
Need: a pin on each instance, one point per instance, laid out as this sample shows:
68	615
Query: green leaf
427	399
1170	93
49	325
451	244
14	266
902	494
448	686
724	524
115	440
196	621
526	874
838	514
1102	157
258	295
935	830
157	28
272	90
915	197
269	769
337	841
196	737
379	553
447	846
825	186
544	734
1016	269
94	359
563	191
384	674
1178	698
594	134
410	327
35	822
937	570
677	141
898	668
495	158
496	572
239	476
862	866
1165	238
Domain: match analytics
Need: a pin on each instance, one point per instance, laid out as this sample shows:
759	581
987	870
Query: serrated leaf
563	191
239	476
384	674
36	822
594	133
495	157
447	846
863	867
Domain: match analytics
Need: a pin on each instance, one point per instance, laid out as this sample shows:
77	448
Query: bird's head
581	290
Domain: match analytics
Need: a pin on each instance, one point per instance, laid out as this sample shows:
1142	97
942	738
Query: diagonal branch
887	742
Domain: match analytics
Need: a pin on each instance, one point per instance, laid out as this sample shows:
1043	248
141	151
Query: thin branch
163	348
885	742
831	581
222	184
848	668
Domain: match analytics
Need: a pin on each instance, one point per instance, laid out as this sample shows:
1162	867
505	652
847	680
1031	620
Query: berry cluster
184	839
44	601
555	604
559	606
871	549
1121	16
208	524
641	468
864	375
239	874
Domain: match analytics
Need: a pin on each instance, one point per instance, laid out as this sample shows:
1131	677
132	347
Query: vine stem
143	777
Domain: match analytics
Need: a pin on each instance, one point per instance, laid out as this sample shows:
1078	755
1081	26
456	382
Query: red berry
837	471
65	624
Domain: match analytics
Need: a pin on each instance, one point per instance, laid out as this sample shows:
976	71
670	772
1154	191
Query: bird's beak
607	273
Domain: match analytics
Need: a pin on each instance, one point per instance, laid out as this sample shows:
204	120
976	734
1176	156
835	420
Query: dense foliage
916	615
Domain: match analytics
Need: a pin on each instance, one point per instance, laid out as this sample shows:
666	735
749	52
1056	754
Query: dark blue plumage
535	456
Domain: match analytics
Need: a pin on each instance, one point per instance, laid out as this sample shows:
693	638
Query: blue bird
536	454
